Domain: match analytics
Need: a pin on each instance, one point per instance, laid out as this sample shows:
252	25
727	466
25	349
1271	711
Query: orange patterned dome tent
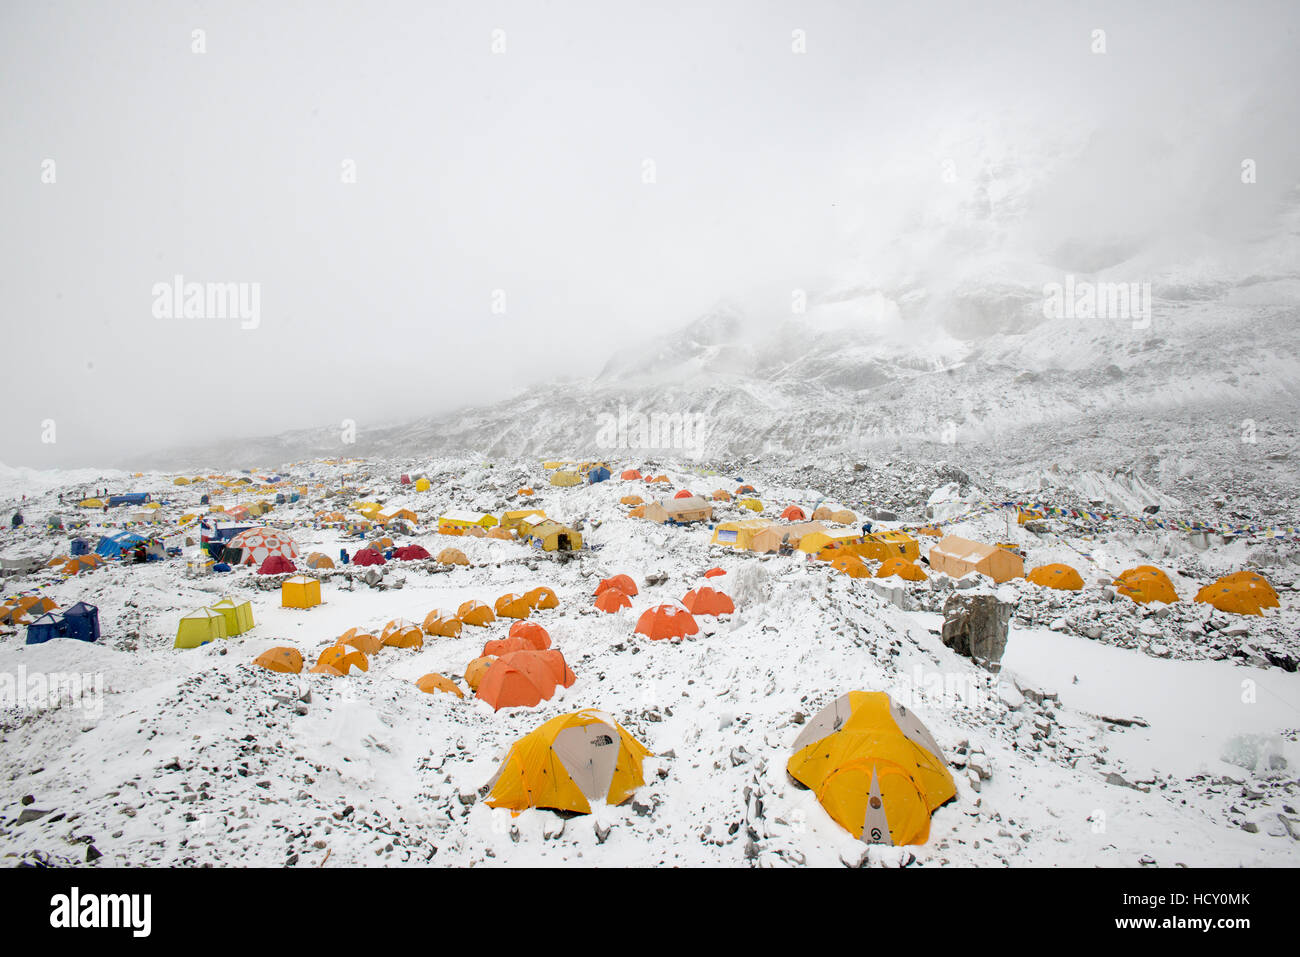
259	544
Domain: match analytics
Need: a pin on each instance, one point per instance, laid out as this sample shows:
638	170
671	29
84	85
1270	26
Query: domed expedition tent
569	762
524	679
1146	584
258	544
1061	577
1241	593
874	767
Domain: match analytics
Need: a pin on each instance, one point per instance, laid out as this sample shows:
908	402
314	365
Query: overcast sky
519	169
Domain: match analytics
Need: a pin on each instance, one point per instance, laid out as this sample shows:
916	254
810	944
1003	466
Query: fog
500	231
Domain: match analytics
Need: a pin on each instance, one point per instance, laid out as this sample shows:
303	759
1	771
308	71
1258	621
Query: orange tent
721	495
452	556
283	659
909	571
630	474
623	583
513	606
631	500
1058	576
475	613
343	658
706	601
542	597
436	682
442	626
497	647
794	513
612	600
475	671
323	669
364	643
525	492
638	512
666	621
82	563
714	572
505	534
524	679
852	566
1241	593
1146	584
531	632
404	635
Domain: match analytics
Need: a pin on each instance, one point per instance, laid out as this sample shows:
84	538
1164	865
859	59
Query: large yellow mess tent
569	762
874	767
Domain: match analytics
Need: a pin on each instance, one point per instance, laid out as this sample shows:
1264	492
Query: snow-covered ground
1167	739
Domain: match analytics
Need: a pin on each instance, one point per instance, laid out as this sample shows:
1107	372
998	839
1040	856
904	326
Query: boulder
975	626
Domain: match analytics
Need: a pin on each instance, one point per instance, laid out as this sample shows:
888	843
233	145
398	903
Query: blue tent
598	474
79	547
221	567
112	546
129	498
45	628
81	621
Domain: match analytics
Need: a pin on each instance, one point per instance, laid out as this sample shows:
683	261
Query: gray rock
975	626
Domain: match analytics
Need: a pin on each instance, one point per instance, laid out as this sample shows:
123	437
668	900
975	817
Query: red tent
406	480
277	565
410	553
684	493
368	556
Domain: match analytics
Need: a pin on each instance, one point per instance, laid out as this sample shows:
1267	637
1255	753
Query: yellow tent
738	534
874	767
180	480
753	504
1241	593
908	571
422	485
91	503
200	627
569	762
1061	577
299	591
436	682
882	546
238	615
565	479
1146	584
